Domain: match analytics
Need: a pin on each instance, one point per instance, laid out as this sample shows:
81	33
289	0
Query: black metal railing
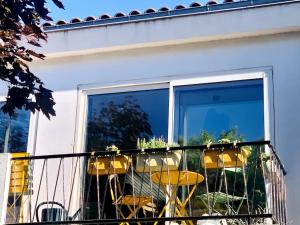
233	183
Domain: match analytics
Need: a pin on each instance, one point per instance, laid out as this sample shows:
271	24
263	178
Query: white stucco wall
279	52
163	60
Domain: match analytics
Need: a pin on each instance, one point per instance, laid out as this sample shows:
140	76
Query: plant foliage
20	31
119	124
154	143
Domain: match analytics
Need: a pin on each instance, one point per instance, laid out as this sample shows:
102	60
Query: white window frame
267	92
82	110
171	83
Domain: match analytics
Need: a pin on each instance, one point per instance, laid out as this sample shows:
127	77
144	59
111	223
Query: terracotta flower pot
107	165
227	158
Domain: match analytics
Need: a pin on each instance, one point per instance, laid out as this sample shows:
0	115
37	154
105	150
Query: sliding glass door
218	110
187	113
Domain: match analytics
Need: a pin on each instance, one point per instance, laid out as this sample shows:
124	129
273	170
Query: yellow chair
18	187
19	174
133	202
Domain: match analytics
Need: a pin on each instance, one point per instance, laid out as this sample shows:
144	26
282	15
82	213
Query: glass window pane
218	108
14	131
121	118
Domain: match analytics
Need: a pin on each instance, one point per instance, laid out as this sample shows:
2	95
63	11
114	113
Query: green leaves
58	4
20	20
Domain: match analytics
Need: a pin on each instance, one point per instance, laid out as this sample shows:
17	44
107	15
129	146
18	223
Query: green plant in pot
228	157
157	161
109	164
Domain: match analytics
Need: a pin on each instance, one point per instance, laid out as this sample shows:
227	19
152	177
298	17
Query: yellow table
175	179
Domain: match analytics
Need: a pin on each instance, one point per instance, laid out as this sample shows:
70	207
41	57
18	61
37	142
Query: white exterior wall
228	42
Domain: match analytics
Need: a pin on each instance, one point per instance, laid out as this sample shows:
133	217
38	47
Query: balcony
234	183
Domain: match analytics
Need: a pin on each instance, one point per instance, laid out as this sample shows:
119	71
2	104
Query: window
14	131
121	118
218	108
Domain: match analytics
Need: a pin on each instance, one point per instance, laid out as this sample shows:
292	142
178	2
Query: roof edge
167	14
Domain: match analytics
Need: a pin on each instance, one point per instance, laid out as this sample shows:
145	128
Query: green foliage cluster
20	28
154	143
235	179
205	137
119	124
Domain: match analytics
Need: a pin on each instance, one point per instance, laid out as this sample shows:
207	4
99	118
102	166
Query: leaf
21	23
37	55
58	4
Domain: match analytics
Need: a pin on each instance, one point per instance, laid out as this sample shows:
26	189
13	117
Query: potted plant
157	161
109	164
225	157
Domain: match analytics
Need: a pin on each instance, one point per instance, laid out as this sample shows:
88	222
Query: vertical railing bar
245	178
216	177
82	180
281	196
115	185
206	183
223	173
197	186
273	186
133	188
88	188
105	192
151	184
72	185
278	194
14	185
265	178
30	184
159	183
284	197
143	176
234	182
177	187
39	188
278	190
169	184
47	187
254	178
98	189
56	182
63	183
188	186
80	186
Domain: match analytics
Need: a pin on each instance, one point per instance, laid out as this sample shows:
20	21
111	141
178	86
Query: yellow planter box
107	165
157	162
227	158
19	174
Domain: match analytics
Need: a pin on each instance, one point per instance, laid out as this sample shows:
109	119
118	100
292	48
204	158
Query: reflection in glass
210	112
120	119
217	108
14	131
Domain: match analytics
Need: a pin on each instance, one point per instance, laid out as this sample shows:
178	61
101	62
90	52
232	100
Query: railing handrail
150	219
278	159
148	150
